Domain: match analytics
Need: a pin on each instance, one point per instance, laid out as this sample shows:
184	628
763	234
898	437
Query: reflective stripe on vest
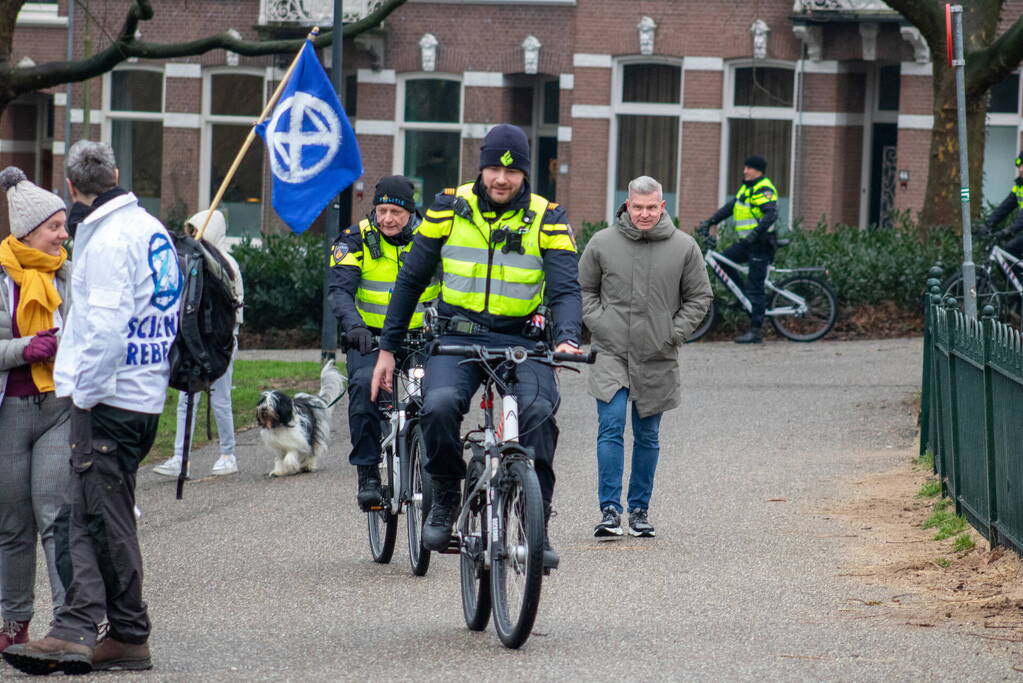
377	282
515	280
746	215
1018	191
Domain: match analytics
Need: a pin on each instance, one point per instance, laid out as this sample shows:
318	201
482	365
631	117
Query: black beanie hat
505	145
1019	158
757	162
397	190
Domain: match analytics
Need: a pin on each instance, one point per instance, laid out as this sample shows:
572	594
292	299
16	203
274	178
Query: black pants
104	546
448	388
759	254
1015	246
363	416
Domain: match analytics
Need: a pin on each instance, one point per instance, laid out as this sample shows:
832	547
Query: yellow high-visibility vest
746	211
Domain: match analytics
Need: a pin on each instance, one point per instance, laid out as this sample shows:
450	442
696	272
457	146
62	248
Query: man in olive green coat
645	289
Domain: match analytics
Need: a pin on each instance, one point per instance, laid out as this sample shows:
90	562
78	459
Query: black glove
360	338
703	228
982	230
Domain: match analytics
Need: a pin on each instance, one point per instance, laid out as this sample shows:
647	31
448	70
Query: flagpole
332	228
271	103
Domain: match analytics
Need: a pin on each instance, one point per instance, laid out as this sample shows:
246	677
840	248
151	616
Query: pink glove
42	347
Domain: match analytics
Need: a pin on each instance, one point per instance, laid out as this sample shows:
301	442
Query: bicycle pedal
374	508
454	546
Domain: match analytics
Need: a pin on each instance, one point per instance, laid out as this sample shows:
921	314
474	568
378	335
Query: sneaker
12	633
170	467
225	464
369	496
750	337
113	655
638	524
610	525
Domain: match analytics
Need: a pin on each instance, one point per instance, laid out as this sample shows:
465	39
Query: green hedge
283	275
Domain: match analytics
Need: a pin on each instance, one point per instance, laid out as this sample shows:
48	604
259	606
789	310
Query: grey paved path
252	579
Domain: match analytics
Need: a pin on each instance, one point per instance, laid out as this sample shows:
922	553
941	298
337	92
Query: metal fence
971	414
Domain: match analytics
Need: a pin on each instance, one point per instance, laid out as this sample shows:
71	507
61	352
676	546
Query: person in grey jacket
645	289
34	453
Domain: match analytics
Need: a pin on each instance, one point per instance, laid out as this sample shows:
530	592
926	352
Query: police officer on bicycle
364	263
1013	200
754	209
501	249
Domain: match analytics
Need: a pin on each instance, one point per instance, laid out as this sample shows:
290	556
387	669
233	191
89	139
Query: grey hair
645	185
91	167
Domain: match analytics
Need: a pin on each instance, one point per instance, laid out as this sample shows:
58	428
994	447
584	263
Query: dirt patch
979	591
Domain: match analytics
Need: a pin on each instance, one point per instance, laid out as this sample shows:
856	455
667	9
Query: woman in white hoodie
220	392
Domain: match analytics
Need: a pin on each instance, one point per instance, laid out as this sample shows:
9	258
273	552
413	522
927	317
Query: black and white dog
297	429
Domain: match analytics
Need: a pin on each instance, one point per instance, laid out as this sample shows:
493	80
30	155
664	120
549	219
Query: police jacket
754	192
1012	200
546	240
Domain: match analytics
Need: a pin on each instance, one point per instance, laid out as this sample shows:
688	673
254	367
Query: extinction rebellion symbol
304	136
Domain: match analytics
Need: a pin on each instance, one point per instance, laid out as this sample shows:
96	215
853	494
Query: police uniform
1014	200
364	264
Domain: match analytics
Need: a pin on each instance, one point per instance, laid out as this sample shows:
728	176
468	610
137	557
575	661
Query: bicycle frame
1007	263
408	385
715	260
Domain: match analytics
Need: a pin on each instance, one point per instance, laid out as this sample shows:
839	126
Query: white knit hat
28	205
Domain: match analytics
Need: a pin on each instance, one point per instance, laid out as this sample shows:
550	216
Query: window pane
236	95
648	145
763	87
1005	96
551	101
138	148
136	90
999	153
431	100
888	87
431	161
652	83
242	202
769	139
546	167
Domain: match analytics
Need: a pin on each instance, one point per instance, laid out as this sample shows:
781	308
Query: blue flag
312	147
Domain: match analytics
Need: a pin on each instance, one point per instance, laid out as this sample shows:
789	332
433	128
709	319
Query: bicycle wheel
475	577
381	524
708	322
987	293
820	314
516	571
418	504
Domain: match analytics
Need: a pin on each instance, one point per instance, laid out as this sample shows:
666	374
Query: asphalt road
255	579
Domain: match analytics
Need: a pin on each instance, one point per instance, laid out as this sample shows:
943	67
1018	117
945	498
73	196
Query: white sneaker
225	464
170	467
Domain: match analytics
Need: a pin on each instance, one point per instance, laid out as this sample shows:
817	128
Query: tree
17	80
990	58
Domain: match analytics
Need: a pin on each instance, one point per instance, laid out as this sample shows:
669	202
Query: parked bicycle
404	488
499	532
801	307
999	284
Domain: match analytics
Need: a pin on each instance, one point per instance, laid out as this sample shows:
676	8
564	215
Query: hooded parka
644	292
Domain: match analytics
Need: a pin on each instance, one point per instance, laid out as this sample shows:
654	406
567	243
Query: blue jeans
611	453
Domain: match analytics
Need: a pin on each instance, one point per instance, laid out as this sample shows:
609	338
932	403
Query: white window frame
618	107
403	126
731	111
209	120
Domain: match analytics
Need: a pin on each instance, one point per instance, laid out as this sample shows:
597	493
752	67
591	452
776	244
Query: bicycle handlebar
517	354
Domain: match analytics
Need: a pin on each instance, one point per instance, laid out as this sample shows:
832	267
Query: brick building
835	93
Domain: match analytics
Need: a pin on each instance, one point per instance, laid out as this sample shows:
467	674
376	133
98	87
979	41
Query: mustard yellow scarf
34	273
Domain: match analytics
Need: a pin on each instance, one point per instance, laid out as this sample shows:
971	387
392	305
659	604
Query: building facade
836	94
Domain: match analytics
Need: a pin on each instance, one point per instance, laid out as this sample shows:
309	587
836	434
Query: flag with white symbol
312	147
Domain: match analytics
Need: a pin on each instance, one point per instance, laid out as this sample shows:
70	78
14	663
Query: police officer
1013	200
500	246
754	209
364	263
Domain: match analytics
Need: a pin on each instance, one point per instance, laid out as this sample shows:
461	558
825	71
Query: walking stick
252	135
183	474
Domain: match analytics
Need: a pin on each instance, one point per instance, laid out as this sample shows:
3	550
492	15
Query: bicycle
500	526
404	487
999	287
802	307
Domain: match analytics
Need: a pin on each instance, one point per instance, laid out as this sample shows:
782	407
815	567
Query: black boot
550	557
443	513
751	337
370	496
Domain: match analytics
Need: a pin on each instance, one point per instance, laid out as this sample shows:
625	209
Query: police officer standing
754	209
500	247
1013	200
364	263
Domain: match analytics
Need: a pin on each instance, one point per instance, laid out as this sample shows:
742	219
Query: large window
430	111
233	100
1002	139
760	109
134	109
647	108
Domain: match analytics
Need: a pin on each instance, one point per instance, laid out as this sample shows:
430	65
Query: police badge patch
768	195
340	251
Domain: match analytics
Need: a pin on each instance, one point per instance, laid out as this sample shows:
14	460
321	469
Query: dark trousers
104	546
448	389
363	416
1015	246
759	254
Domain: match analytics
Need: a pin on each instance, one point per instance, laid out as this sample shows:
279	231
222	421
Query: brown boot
12	633
113	655
49	655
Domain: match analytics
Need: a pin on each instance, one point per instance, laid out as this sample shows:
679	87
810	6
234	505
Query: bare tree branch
926	15
987	67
